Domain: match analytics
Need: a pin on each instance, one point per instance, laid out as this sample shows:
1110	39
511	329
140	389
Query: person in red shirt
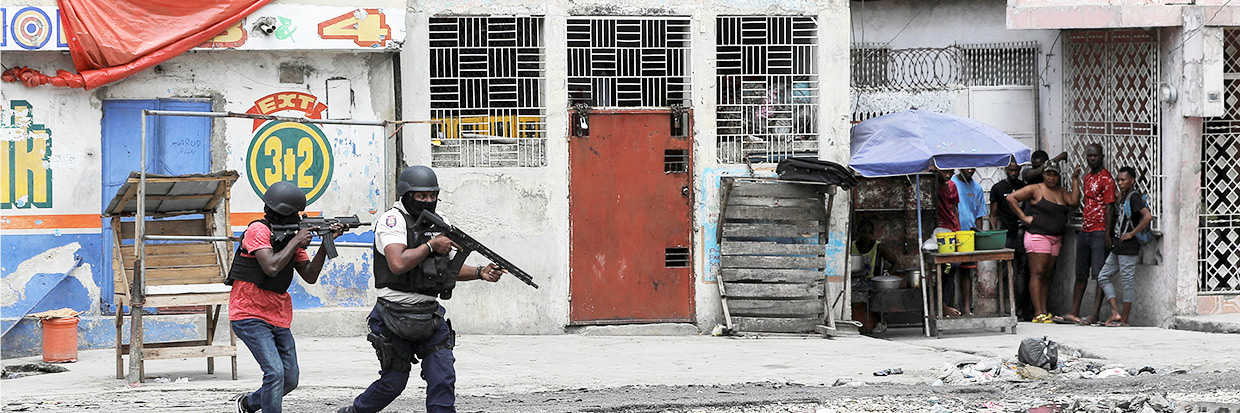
259	307
946	202
1093	241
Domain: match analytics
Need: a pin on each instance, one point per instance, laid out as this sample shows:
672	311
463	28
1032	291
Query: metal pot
912	276
887	282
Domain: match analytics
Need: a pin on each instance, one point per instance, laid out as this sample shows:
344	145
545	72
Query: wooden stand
183	273
1003	322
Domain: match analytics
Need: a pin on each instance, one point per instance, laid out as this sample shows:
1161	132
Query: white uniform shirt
390	229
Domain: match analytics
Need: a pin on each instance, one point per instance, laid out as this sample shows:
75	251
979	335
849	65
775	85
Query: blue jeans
1126	266
438	370
1091	252
276	354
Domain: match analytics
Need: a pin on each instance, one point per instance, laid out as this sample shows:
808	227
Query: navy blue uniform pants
438	370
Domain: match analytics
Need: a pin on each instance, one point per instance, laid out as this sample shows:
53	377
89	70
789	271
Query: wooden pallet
773	240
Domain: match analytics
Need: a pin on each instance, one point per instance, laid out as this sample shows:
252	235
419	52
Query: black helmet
285	198
416	178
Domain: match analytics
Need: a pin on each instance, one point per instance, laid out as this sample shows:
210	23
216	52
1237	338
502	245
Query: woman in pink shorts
1047	217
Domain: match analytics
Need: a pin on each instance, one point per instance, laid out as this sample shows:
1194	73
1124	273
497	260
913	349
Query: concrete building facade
510	189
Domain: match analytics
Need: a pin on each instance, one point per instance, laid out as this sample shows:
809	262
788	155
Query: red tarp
112	39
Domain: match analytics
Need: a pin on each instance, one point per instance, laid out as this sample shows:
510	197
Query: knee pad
391	358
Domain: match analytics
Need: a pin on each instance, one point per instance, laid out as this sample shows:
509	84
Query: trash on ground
30	369
1042	352
888	372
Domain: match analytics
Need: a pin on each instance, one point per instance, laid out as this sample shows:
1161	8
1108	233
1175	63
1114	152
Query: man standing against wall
407	323
1002	217
1037	162
970	210
1093	241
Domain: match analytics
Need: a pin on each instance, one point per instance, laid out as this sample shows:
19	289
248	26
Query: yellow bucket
964	241
946	241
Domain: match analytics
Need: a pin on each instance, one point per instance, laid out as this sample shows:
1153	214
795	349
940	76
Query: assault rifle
320	226
428	221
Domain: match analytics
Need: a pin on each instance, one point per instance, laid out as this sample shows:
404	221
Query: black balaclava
415	208
274	218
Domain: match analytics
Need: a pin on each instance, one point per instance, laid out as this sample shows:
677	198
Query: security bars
487	86
767	87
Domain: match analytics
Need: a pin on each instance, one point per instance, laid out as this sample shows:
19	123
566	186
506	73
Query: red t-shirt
247	300
948	201
1097	192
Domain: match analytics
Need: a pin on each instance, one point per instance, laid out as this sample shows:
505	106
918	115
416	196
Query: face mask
276	219
415	208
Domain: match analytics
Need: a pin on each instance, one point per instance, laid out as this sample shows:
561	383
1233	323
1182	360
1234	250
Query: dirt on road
1188	392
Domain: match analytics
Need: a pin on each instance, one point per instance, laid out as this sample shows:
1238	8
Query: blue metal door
175	145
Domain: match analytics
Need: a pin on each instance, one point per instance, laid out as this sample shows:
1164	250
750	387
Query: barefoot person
1047	217
1131	217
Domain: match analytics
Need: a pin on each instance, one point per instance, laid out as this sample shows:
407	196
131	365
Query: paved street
663	373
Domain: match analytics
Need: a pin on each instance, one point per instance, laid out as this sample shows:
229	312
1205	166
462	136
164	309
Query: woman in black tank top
1046	218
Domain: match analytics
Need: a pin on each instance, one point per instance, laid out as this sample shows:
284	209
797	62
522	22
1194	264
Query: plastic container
964	241
946	241
60	340
994	239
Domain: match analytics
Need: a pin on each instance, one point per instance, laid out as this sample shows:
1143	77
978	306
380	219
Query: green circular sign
293	152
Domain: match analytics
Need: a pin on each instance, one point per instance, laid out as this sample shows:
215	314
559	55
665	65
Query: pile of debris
992	369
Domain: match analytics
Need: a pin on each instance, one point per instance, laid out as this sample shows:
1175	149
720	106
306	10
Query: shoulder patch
391	221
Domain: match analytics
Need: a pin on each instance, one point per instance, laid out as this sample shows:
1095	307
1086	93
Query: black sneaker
346	409
242	407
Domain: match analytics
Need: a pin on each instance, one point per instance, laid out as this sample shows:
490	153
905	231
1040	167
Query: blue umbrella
907	142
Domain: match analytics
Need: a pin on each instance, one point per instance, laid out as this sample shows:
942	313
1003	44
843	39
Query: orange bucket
60	340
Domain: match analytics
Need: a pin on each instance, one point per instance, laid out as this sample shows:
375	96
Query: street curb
1206	326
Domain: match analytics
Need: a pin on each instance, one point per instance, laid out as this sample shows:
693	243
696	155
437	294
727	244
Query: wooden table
1002	321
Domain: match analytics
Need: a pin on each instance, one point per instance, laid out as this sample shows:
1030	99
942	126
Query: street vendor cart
909	143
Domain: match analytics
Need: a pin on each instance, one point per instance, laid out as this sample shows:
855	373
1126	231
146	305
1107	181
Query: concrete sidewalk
494	365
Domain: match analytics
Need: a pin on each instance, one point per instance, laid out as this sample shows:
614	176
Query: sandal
1042	318
1068	319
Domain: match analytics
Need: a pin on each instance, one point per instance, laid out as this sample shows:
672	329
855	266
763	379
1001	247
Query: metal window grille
628	62
1110	98
676	161
487	85
767	86
1219	240
890	80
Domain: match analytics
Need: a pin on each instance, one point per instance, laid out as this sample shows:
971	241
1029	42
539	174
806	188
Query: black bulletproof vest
247	268
432	277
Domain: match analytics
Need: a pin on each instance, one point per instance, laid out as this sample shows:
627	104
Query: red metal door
629	216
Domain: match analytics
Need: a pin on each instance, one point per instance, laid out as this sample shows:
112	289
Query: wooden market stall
181	260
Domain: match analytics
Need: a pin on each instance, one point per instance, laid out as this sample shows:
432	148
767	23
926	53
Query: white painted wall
523	212
911	23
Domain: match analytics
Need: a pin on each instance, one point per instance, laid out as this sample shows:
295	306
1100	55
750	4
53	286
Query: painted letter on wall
25	148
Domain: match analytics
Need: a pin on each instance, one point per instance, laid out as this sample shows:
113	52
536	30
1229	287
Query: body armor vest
432	277
248	269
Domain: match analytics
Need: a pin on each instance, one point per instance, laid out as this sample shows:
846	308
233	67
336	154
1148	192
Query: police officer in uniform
407	325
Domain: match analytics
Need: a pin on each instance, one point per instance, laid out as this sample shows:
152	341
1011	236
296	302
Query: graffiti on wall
273	27
289	151
25	148
31	28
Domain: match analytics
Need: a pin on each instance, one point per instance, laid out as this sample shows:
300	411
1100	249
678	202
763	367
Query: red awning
112	39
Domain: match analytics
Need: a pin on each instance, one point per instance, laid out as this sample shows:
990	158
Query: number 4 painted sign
366	27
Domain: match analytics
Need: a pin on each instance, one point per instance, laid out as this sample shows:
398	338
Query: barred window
628	62
767	85
487	85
